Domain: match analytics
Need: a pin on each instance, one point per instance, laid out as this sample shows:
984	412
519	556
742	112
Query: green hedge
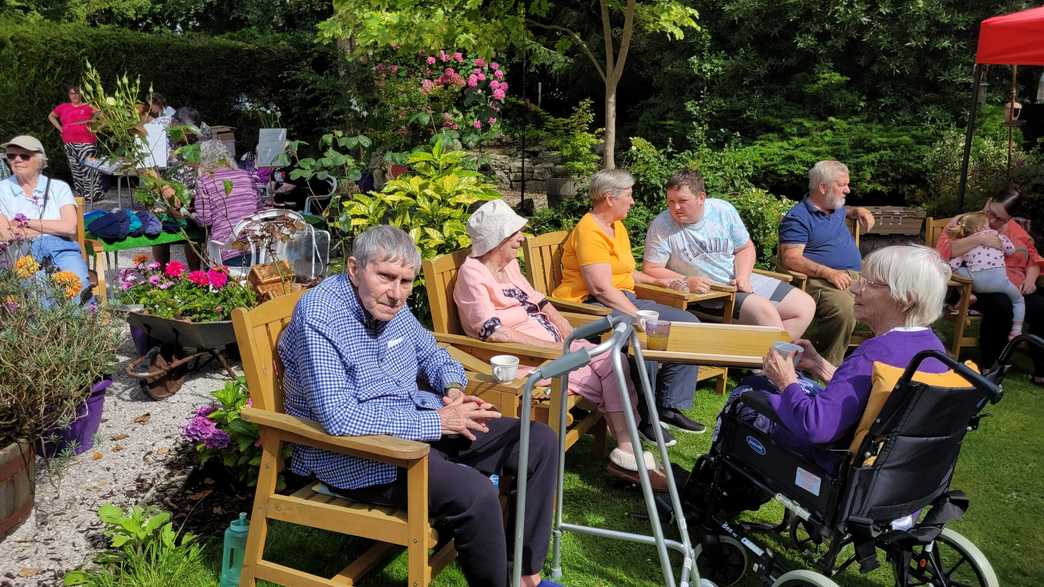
208	73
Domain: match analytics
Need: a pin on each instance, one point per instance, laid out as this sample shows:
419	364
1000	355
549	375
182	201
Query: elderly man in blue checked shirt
353	357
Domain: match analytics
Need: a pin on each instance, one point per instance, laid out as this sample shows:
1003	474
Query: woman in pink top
1023	269
496	303
71	119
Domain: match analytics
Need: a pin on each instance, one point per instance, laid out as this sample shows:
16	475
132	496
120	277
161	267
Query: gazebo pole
980	71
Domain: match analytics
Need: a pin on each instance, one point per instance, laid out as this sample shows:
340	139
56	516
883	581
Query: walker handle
592	328
563	364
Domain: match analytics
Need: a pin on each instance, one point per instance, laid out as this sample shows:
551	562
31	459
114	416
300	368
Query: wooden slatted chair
93	255
961	321
257	332
543	255
440	276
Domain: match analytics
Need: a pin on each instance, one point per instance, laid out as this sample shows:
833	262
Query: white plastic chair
315	200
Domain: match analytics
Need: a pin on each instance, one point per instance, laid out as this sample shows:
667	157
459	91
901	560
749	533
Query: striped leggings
86	182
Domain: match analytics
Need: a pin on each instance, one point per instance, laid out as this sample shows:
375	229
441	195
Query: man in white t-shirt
703	240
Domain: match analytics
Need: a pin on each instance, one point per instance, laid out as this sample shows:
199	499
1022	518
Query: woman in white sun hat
496	303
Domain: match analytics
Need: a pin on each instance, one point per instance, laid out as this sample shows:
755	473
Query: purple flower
199	429
154	265
154	280
21	220
165	284
219	439
206	410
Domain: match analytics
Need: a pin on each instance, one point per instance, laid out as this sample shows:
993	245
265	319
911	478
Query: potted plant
52	353
575	143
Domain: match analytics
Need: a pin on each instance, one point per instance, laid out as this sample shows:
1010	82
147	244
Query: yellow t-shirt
589	244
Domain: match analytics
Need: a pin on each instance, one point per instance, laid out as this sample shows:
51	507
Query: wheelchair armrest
757	400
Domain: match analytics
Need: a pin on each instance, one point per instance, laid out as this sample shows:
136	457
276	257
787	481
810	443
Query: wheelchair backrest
908	456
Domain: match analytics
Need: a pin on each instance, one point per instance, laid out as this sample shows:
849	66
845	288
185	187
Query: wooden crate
270	273
897	220
268	291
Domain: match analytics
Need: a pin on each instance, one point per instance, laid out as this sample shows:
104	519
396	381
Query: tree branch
625	41
583	46
607	34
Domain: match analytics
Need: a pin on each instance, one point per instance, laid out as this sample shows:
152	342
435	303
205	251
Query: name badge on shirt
394	342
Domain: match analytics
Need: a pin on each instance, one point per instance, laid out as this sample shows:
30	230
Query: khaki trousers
834	320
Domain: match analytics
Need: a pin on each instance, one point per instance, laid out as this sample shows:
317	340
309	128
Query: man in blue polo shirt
814	240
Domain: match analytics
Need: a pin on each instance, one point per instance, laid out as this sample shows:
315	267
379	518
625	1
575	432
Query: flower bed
170	291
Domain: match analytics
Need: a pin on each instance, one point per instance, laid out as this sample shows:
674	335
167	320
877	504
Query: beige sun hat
26	142
488	226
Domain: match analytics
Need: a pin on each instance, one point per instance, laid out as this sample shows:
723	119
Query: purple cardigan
835	411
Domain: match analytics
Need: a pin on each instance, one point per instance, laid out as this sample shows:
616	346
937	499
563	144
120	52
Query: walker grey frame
622	328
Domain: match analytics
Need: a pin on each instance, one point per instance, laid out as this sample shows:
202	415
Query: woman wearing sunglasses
38	213
1023	269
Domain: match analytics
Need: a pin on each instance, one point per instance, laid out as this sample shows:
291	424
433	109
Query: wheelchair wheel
724	563
803	577
952	561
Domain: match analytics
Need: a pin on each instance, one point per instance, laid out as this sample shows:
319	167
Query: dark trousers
463	501
996	324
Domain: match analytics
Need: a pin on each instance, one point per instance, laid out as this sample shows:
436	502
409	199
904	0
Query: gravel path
132	454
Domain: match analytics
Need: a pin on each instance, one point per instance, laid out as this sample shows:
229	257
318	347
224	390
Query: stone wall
504	164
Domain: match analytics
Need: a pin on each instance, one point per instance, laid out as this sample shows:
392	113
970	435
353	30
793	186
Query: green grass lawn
1001	470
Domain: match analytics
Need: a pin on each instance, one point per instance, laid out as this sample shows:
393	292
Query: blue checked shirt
357	376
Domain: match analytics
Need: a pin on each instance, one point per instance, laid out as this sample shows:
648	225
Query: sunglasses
21	156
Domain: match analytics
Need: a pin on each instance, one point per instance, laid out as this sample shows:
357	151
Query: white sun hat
488	226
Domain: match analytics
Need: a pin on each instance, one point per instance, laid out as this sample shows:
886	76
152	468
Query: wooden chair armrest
379	447
506	348
674	298
784	277
722	287
581	319
959	280
579	307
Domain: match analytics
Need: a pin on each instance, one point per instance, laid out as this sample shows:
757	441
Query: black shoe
649	435
672	417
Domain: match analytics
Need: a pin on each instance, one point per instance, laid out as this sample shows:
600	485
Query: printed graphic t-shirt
706	248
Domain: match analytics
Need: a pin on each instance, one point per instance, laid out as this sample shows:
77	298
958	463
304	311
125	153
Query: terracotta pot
17	482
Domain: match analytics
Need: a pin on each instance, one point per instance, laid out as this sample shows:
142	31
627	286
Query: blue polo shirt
824	234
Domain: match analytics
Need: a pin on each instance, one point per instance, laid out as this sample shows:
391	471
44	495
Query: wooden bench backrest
933	228
257	333
440	275
81	230
543	255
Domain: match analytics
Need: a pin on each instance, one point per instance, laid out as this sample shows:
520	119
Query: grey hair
609	182
824	172
917	279
385	243
213	154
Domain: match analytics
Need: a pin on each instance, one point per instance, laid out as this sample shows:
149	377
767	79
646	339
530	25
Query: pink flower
494	66
431	60
499	94
458	57
154	280
481	76
394	69
154	265
492	120
477	124
217	278
443	56
472	81
499	74
174	269
426	86
480	62
199	278
166	285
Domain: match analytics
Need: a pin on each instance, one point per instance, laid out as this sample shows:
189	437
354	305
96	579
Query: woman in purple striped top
225	195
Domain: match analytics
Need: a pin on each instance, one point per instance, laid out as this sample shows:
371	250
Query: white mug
788	348
504	367
646	315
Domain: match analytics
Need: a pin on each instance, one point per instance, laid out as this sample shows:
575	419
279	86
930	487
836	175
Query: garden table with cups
714	345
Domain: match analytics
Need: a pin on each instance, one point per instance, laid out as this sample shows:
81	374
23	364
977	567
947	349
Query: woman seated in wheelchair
899	294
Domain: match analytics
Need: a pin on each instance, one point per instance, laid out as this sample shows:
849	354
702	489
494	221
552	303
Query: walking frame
622	328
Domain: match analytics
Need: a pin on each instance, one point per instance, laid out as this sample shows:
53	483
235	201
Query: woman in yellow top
598	267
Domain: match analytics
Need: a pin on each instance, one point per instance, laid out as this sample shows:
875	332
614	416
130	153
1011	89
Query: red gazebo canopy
1012	39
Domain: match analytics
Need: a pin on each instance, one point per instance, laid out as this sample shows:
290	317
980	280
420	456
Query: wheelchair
891	495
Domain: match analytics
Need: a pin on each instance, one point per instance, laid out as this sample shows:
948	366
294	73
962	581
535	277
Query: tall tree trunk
609	151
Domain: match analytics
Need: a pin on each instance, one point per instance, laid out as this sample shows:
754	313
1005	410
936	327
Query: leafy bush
144	551
172	292
573	138
52	349
218	433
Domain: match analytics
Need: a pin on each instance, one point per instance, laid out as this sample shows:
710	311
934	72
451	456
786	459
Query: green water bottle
232	552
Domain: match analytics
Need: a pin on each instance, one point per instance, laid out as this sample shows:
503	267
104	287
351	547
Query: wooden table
718	345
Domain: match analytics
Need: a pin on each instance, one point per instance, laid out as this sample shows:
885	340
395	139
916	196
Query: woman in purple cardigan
898	295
